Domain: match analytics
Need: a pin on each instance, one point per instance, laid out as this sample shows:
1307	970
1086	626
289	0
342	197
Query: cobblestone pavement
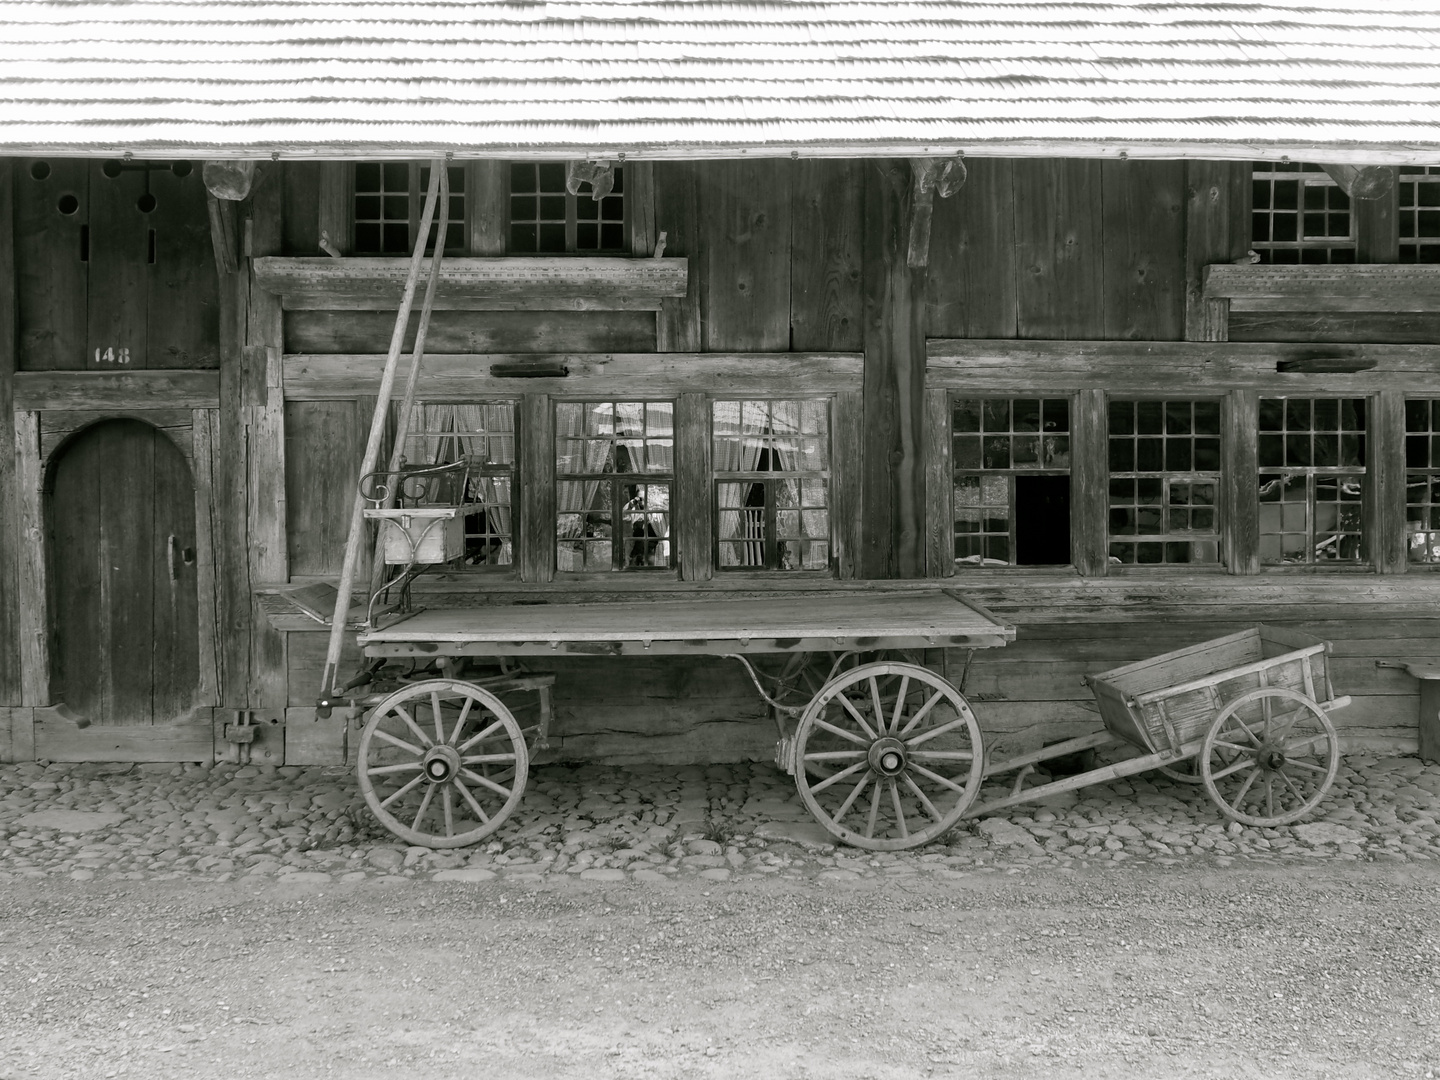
719	822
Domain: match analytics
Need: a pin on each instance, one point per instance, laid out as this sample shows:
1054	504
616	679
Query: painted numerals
112	355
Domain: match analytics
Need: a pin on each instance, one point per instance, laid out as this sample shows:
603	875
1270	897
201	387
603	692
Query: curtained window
614	472
482	435
772	473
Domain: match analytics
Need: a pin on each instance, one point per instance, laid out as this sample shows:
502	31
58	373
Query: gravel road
178	922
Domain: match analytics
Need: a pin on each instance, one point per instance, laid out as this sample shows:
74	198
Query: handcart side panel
1184	665
1119	720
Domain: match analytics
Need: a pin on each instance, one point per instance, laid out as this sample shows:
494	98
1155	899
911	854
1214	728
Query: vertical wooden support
939	487
34	614
1429	720
265	424
847	444
745	231
11	540
1089	482
202	423
337	197
694	503
1239	481
1217	230
229	485
640	207
536	454
487	206
1377	235
677	215
1385	482
894	382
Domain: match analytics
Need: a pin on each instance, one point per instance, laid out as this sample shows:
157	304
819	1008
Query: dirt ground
1286	972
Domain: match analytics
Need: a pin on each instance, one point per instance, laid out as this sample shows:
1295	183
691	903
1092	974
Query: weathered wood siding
784	256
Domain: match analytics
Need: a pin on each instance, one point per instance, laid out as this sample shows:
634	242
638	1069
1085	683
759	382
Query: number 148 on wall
112	355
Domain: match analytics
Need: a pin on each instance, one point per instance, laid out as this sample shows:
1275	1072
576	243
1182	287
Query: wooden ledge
1180	367
1326	288
461	377
567	283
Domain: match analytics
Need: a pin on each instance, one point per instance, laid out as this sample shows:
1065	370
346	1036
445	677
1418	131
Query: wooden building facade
1084	403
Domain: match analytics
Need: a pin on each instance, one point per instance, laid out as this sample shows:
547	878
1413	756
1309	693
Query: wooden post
1088	484
1385	483
265	441
34	615
939	487
894	476
11	538
337	197
536	456
677	324
1240	476
693	499
487	206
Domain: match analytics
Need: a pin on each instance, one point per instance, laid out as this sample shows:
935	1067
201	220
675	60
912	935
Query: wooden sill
499	284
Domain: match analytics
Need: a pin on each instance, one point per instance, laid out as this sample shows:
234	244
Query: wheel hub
887	756
1272	759
441	763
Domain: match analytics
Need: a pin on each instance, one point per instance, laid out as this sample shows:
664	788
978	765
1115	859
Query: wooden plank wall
10	683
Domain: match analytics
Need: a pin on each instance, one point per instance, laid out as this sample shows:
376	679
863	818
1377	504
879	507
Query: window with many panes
1422	480
614	473
771	463
1418	213
1164	482
546	219
479	439
389	202
1299	215
1312	478
1011	460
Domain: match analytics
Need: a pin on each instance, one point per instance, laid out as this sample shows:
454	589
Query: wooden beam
532	283
1089	484
535	534
1386	530
203	423
677	215
336	209
1329	287
939	487
107	391
34	614
464	377
1363	181
1174	366
487	207
222	234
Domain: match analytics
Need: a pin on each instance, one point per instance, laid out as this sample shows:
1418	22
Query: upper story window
1164	482
390	200
480	439
614	471
1312	477
1011	458
1299	215
1418	195
545	219
772	472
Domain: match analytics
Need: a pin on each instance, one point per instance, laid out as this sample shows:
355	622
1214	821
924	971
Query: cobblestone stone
90	822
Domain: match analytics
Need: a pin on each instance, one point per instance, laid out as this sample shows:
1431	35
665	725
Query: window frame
571	218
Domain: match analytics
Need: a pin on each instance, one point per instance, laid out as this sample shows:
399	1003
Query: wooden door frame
39	437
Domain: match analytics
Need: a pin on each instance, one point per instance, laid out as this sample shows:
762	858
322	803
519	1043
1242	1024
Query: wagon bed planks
778	623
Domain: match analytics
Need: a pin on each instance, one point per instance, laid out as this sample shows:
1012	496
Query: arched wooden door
122	564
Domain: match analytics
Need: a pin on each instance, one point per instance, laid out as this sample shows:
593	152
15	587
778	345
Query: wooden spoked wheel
888	756
442	763
1269	757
